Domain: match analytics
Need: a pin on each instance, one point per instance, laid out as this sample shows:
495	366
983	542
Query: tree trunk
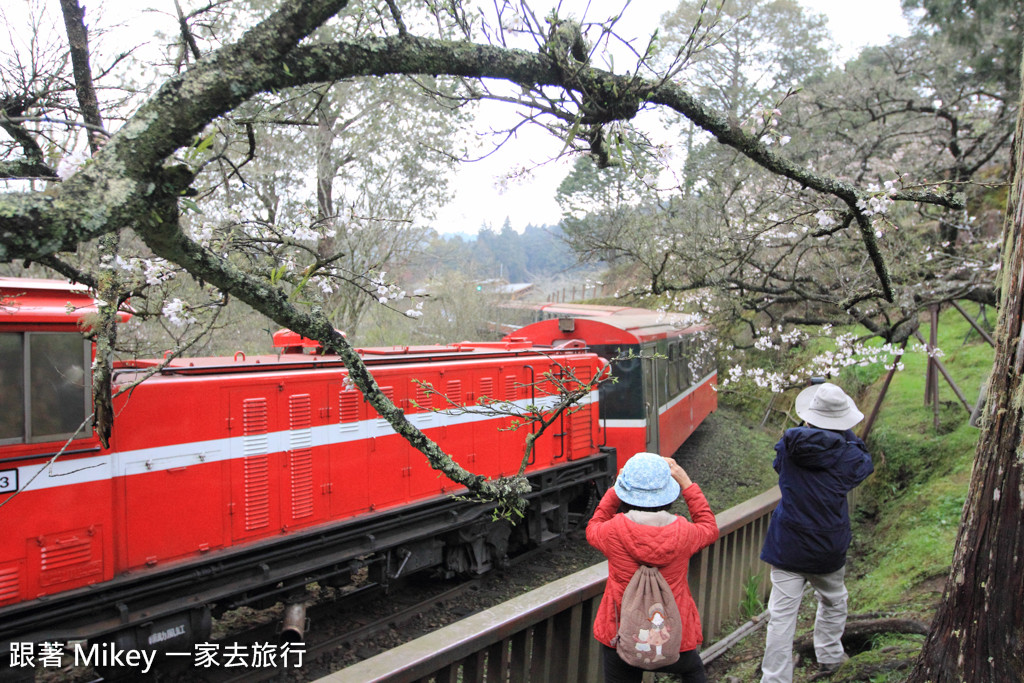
978	632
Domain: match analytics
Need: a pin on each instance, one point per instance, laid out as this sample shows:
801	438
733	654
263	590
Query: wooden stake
881	396
974	323
945	373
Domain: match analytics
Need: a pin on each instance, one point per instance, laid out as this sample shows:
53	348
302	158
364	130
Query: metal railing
544	636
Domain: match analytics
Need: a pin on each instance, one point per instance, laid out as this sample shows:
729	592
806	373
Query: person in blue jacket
818	463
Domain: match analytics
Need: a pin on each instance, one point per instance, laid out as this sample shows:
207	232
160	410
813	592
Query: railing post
473	667
497	661
542	648
559	664
520	657
590	649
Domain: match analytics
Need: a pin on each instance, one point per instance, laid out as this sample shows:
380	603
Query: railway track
319	644
347	628
342	626
354	629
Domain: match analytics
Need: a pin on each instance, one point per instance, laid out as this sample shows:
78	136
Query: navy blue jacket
810	529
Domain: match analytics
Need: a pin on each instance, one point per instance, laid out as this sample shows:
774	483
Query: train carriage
665	384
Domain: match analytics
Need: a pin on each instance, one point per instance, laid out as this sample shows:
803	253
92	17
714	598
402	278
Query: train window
672	370
46	380
702	361
684	365
661	367
57	387
12	379
624	398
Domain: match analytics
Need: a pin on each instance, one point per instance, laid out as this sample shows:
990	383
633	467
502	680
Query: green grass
913	543
752	603
922	474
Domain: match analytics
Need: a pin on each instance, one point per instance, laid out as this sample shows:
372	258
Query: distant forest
535	254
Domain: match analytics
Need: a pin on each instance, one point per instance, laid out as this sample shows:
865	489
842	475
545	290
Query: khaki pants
783	605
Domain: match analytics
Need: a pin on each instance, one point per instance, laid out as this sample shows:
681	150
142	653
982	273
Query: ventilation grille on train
67	556
486	389
10	580
382	422
511	388
300	436
348	408
581	422
425	401
453	390
256	468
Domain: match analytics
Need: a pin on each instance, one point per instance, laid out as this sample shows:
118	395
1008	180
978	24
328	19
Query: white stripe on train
140	461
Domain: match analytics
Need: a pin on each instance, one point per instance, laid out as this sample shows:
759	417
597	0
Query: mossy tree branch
131	182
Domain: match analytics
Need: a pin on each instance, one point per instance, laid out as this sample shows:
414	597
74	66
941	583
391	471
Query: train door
389	453
348	451
304	498
471	442
506	387
580	432
487	439
651	391
518	389
423	480
255	461
173	504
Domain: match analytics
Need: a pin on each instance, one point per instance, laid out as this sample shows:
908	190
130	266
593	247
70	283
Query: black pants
689	666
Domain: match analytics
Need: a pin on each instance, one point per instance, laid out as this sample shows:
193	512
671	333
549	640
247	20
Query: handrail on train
544	636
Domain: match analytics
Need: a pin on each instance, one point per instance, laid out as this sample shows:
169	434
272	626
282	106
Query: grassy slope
906	525
923	472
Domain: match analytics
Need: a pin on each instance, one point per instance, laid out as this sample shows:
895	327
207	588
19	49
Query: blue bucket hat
646	481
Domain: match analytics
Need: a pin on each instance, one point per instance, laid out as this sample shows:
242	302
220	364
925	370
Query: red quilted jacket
659	539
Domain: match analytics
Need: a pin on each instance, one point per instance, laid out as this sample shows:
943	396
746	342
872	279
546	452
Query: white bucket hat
827	406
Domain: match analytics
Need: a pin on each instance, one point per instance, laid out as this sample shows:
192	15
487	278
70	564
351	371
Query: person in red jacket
632	526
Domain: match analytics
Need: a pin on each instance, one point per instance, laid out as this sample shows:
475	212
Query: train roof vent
293	342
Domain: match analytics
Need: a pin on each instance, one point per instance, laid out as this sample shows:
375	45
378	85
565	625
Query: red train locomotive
234	481
240	480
